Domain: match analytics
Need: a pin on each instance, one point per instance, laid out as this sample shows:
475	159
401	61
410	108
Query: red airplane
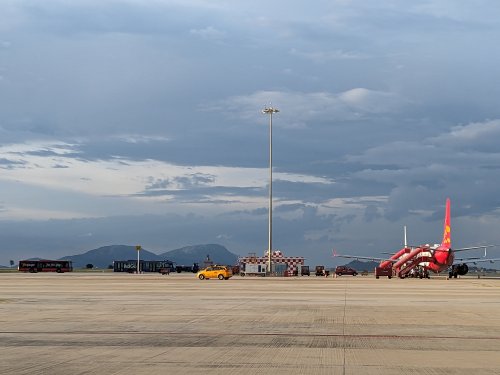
419	260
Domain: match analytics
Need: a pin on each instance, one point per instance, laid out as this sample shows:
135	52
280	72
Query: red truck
345	270
381	271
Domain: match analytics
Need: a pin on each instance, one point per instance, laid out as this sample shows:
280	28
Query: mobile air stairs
407	262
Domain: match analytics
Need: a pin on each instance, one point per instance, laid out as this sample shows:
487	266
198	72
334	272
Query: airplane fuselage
436	258
440	259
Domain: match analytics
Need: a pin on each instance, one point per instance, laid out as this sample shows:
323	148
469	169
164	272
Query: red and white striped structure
277	257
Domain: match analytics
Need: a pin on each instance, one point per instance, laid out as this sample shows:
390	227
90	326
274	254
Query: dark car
344	270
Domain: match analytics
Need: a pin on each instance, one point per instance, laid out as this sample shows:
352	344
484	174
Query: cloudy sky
139	122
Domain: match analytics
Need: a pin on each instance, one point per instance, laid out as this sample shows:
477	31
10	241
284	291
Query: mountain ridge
104	256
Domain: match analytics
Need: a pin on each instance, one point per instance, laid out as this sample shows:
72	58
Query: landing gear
458	269
420	272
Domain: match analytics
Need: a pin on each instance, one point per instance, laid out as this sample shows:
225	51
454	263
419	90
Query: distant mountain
104	256
361	266
197	254
480	269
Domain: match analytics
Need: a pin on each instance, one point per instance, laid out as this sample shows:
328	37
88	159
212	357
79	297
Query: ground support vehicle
304	271
320	271
235	270
383	271
250	269
344	270
165	271
194	268
418	272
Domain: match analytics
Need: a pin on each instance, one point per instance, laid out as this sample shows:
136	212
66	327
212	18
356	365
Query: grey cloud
209	33
301	109
372	213
204	193
283	208
479	136
99	17
155	183
389	101
9	164
258	212
326	56
191	181
437	167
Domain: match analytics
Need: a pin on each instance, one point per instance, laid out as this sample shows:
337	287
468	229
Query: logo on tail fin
447	226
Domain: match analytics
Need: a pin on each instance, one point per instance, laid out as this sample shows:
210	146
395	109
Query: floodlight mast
138	248
270	111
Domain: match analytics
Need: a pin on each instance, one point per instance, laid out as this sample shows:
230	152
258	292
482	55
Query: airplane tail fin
447	226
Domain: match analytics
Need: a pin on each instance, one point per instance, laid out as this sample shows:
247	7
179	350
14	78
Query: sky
140	122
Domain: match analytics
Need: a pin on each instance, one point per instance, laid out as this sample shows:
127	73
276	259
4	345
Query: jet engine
459	269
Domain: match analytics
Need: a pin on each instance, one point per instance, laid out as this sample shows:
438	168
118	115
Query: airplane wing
474	248
358	257
476	260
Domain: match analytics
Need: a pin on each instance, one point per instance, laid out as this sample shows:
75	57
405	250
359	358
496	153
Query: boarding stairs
411	260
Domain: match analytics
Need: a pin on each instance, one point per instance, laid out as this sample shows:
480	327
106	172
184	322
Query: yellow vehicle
215	271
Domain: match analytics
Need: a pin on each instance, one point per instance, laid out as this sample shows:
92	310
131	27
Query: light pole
269	111
138	248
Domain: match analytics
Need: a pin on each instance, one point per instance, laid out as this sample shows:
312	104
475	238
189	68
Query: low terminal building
253	265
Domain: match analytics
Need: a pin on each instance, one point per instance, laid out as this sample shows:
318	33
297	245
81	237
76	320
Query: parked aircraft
424	258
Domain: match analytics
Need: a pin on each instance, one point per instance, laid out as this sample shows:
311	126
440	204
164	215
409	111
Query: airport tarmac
106	323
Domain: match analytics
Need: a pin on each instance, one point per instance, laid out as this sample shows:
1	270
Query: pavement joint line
343	328
341	335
